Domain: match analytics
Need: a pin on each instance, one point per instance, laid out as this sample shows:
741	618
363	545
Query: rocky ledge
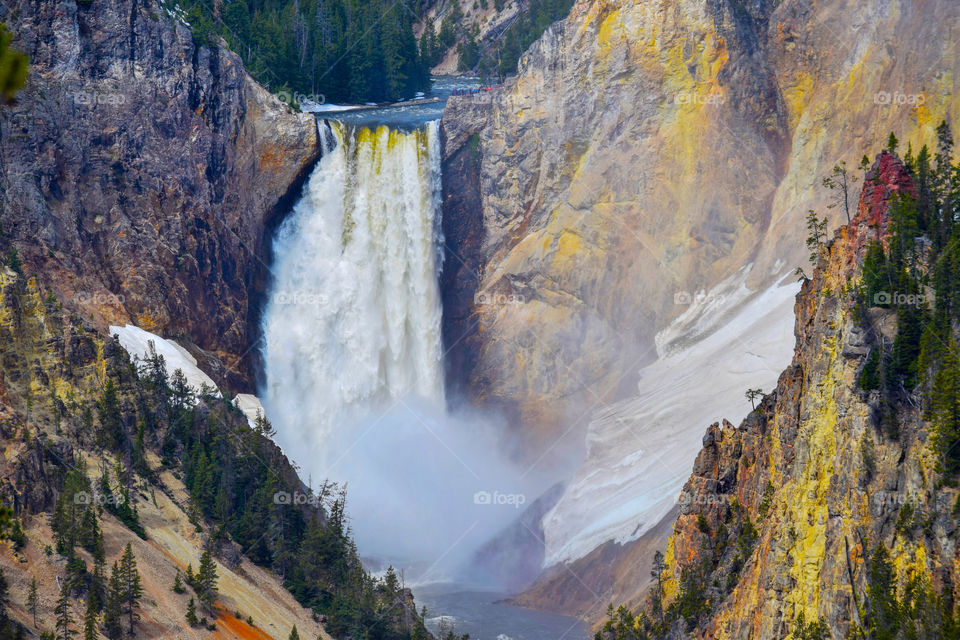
141	173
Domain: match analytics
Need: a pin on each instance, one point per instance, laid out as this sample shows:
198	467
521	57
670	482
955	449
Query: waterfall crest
352	324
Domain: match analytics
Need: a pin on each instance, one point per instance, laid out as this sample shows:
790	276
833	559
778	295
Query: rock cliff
140	172
783	512
648	152
649	149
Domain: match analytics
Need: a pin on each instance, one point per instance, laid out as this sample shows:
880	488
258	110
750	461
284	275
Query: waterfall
353	357
352	324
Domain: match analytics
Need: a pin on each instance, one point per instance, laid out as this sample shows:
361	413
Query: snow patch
137	343
639	452
251	407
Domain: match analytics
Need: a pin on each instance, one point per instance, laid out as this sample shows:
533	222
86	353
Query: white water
353	357
353	322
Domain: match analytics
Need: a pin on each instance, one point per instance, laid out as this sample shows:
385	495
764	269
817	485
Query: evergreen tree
945	408
4	595
90	619
206	581
131	589
64	616
113	611
191	616
177	584
33	600
293	634
892	142
111	422
817	235
657	570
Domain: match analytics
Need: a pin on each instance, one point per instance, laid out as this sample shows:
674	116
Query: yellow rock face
651	148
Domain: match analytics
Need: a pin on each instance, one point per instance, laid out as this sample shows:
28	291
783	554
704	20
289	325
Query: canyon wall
652	149
648	152
141	172
816	470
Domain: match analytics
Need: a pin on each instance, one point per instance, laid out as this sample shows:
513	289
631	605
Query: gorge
500	313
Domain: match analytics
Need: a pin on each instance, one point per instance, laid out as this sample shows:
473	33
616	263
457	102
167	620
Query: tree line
343	50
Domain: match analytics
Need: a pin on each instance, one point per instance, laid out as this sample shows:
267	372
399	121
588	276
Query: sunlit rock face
140	172
812	467
652	148
645	153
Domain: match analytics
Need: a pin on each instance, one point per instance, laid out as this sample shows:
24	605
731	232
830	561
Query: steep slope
647	152
783	516
101	452
141	172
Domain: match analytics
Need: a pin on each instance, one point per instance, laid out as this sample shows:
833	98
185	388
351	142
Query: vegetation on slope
342	50
70	396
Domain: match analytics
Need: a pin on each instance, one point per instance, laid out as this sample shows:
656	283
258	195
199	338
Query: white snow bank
640	451
137	343
250	405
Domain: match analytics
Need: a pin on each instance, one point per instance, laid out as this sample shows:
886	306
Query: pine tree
945	408
64	617
293	634
191	579
33	600
892	142
206	581
113	612
90	619
817	234
191	616
656	572
111	422
4	596
177	584
130	585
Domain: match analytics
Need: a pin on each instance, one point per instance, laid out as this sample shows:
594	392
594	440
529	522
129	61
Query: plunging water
353	370
353	323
